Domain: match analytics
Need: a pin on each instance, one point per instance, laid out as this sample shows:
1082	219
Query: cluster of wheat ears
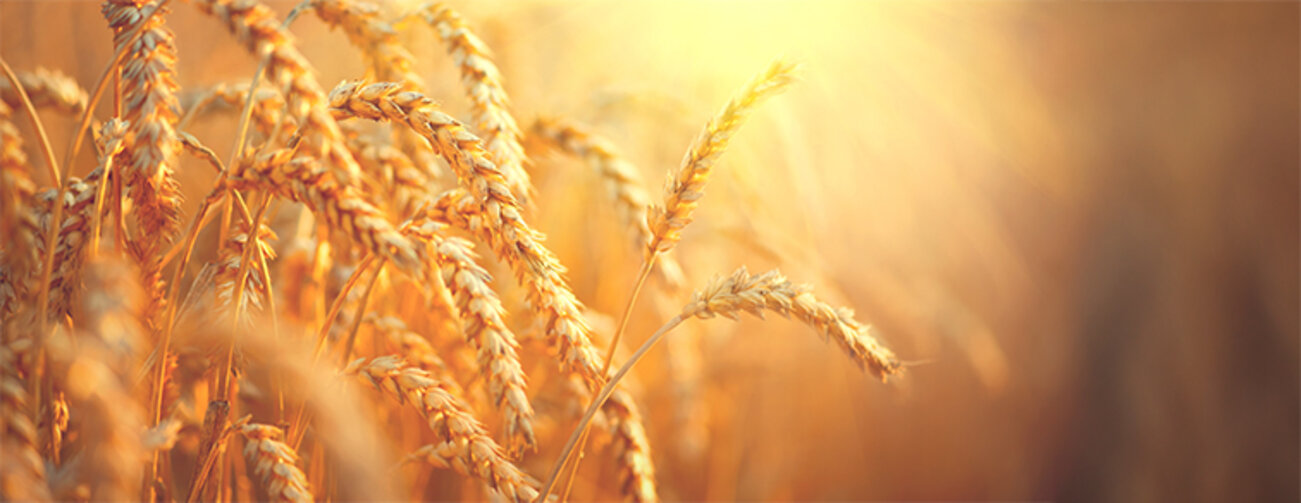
135	365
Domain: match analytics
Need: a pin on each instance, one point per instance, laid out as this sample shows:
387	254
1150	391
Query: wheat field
357	250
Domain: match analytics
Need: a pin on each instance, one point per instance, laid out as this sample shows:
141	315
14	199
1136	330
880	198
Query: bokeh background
1077	222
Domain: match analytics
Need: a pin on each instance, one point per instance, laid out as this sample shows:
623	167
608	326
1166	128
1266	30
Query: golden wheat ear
483	319
686	186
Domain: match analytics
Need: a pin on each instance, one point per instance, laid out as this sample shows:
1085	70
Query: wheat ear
70	250
47	89
266	113
483	86
728	296
464	444
686	186
228	267
485	328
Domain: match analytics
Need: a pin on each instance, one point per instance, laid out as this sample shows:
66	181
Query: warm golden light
1072	227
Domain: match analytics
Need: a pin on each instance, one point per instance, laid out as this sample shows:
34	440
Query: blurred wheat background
1078	223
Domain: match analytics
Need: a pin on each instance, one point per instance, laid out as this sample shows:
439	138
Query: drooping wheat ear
483	86
228	267
686	186
623	184
742	292
268	104
536	269
567	330
22	471
463	443
275	463
486	330
255	25
342	206
18	230
69	249
47	88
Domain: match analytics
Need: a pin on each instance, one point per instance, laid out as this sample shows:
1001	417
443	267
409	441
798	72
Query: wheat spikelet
275	463
483	86
304	180
255	26
47	89
22	471
621	180
485	329
686	186
742	292
463	443
69	249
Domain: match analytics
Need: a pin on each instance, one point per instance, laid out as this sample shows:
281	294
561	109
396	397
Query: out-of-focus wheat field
1077	224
